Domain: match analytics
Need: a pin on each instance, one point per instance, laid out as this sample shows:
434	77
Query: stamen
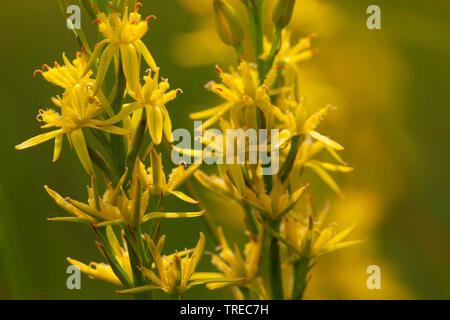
218	69
243	56
219	89
179	90
165	79
150	17
265	87
312	36
56	64
96	8
111	6
209	85
315	50
149	71
281	67
37	71
137	7
45	66
96	21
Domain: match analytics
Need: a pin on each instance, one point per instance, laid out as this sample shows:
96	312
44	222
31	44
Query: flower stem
276	284
117	142
273	50
301	268
255	10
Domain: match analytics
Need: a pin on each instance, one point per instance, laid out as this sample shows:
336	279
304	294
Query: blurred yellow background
391	87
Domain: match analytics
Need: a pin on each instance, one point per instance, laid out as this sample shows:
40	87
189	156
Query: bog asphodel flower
157	182
103	271
244	95
175	273
68	75
152	97
235	266
123	34
296	123
79	108
312	240
289	55
118	206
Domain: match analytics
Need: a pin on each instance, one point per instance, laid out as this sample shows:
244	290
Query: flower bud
282	13
228	23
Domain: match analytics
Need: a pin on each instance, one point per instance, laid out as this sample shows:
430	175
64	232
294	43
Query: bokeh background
391	87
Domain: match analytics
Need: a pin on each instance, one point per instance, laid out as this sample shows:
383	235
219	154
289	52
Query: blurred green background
391	87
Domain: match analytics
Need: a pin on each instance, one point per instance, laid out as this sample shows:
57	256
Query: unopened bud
228	23
282	13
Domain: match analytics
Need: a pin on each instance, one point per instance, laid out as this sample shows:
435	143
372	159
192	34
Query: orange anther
151	17
96	8
312	35
218	69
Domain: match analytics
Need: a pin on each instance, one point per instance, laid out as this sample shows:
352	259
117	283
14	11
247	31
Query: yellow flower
68	75
78	109
275	204
123	34
152	97
156	180
305	159
104	272
175	273
244	95
295	123
290	55
233	265
121	207
313	241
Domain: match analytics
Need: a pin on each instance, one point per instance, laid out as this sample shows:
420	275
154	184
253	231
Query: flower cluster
285	236
105	98
127	214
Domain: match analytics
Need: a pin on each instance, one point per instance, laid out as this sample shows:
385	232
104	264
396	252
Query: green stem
111	257
250	219
245	292
117	141
289	162
276	41
301	269
255	10
276	283
239	50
